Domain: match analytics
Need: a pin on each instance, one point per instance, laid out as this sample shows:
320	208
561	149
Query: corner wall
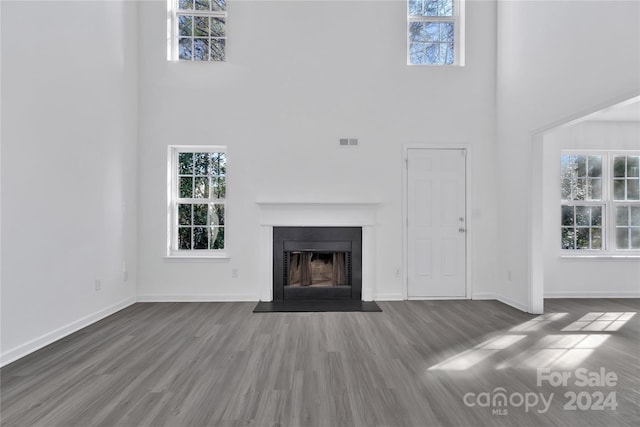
69	107
556	59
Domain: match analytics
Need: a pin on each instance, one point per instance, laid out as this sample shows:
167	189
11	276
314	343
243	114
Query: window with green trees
198	181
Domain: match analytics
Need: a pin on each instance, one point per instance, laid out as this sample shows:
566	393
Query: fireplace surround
317	214
311	263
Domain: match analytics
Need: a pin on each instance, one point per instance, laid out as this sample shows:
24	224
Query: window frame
173	200
173	12
608	204
458	20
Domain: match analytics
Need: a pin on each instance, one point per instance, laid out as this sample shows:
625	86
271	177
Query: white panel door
436	226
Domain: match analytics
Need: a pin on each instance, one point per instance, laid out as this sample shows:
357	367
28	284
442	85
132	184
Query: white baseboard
505	300
483	295
50	337
435	298
200	298
388	297
593	294
513	303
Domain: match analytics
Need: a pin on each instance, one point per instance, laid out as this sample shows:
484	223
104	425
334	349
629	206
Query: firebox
317	263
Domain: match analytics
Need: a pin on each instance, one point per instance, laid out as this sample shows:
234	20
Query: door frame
405	215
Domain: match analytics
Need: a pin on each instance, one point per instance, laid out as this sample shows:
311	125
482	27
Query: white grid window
626	201
435	32
600	201
197	193
197	30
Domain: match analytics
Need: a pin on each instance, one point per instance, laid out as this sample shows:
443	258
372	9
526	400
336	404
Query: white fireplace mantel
317	214
333	214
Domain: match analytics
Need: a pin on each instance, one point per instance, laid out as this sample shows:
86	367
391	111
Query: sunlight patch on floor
538	322
557	351
473	356
600	322
560	351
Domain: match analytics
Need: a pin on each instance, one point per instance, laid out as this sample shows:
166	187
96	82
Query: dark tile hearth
292	306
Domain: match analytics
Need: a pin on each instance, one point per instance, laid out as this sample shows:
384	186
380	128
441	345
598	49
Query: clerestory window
197	30
435	33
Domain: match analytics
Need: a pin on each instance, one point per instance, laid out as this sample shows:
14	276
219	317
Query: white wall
556	59
299	76
580	277
0	173
68	167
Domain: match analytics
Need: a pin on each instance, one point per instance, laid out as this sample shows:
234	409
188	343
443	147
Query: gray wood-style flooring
414	364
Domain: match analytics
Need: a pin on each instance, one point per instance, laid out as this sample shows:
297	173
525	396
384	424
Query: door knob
462	229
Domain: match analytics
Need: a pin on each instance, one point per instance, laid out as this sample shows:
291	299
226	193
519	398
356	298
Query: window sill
436	65
220	257
600	256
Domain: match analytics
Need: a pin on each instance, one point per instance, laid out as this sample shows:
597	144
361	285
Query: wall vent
346	142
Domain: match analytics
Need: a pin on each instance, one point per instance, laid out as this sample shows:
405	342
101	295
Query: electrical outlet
235	273
396	272
98	285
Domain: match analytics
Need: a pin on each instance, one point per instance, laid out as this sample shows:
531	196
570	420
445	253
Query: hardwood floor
414	364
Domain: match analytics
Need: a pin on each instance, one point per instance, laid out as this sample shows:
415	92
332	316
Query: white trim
592	294
405	218
199	298
588	113
172	39
213	258
329	214
513	303
199	148
405	211
535	248
598	256
501	298
59	333
484	296
435	298
388	297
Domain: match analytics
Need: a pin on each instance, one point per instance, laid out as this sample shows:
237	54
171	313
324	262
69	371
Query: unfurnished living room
320	213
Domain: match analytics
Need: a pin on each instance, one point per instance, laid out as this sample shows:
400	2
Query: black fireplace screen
317	263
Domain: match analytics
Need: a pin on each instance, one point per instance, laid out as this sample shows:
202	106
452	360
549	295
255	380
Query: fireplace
317	263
